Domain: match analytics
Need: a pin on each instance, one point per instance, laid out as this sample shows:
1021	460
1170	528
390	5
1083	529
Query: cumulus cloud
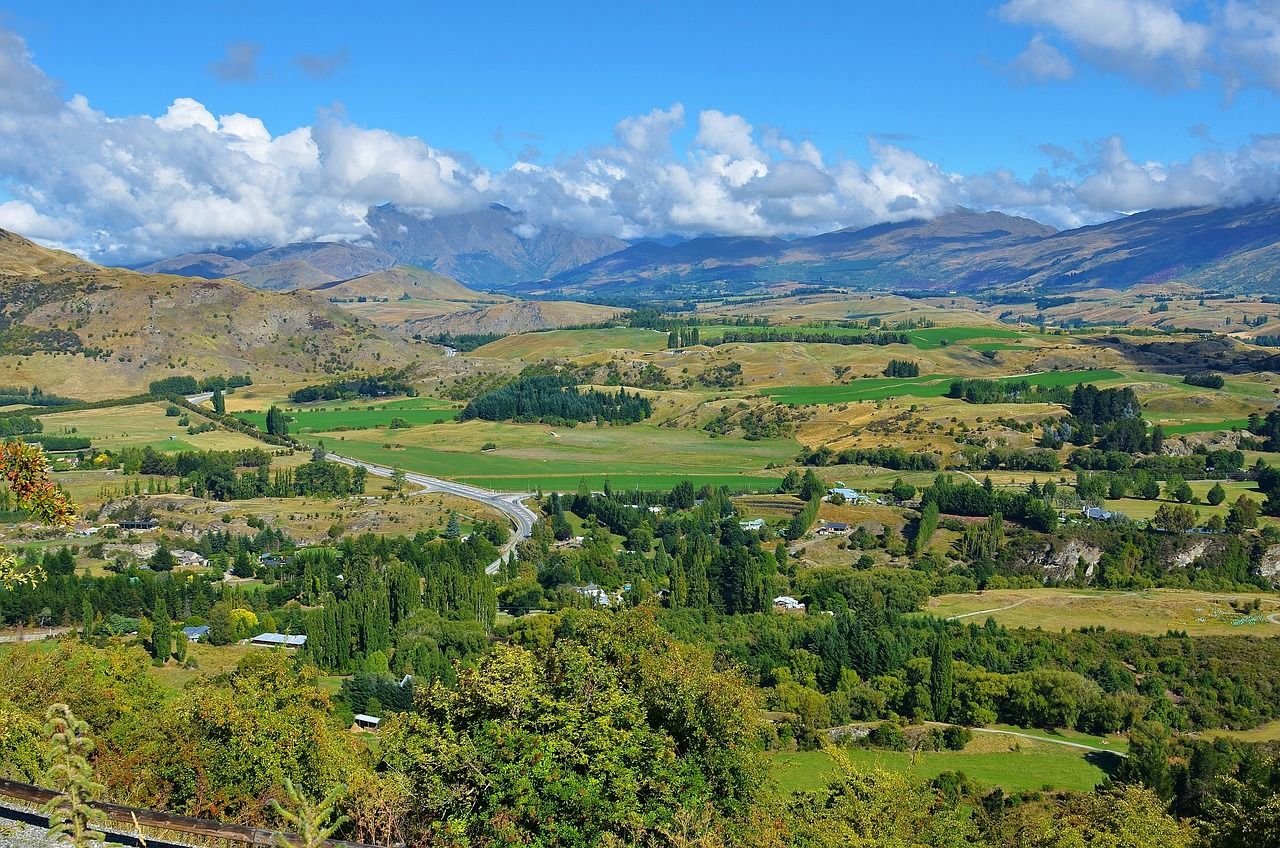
240	64
1041	62
1167	43
128	188
321	66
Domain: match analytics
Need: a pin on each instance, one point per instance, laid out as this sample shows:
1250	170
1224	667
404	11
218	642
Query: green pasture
336	415
933	385
529	456
1037	765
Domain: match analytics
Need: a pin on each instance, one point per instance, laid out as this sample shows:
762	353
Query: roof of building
286	640
196	631
1098	513
361	718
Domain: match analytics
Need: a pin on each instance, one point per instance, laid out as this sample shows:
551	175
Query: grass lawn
1202	426
529	456
1153	612
210	660
931	386
1033	766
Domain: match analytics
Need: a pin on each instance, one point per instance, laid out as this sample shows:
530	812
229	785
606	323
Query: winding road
510	504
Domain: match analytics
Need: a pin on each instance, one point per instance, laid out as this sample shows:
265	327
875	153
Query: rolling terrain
965	251
81	330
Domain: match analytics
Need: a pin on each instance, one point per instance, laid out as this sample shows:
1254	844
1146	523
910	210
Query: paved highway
509	504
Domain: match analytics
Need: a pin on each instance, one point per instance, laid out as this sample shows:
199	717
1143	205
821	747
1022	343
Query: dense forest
553	399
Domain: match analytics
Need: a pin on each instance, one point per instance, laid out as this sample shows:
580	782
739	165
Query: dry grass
1152	612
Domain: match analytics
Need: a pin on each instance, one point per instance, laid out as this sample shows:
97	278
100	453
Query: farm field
1143	510
1013	764
570	343
529	456
1153	612
140	425
935	385
339	415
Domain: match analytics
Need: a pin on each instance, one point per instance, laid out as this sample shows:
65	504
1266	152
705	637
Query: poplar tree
941	681
161	632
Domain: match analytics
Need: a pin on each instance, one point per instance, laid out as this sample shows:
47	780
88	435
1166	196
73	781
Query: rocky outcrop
1062	563
1269	565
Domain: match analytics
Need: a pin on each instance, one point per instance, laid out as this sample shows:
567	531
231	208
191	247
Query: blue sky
1143	102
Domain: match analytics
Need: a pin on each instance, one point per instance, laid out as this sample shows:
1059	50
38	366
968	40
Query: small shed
362	722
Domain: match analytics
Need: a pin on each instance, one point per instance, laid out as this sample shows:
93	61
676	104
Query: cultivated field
529	456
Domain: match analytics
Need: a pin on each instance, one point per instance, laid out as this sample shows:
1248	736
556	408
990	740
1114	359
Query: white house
594	593
786	602
753	524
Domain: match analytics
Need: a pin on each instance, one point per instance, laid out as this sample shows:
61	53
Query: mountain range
496	248
488	247
963	251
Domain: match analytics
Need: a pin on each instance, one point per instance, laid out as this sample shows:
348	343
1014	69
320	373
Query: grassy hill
406	281
81	330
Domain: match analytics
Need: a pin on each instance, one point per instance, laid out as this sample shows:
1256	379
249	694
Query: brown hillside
77	329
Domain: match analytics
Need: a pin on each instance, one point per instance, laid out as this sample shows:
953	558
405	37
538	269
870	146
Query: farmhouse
753	524
831	528
195	634
140	524
786	602
278	640
1097	513
189	559
594	593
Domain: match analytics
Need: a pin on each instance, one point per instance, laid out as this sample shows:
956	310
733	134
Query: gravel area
18	835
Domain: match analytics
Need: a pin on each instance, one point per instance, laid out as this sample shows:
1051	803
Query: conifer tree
161	632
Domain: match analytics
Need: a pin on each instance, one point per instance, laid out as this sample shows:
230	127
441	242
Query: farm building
362	722
195	634
278	640
786	602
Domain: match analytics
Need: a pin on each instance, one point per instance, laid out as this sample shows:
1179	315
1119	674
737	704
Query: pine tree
454	529
161	632
941	681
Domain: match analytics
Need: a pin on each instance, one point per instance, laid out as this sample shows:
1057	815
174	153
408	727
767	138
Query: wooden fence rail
206	828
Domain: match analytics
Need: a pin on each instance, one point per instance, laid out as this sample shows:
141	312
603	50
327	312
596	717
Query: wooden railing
131	817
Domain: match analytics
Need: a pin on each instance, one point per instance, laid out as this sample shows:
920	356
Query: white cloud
1041	62
128	188
1165	42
